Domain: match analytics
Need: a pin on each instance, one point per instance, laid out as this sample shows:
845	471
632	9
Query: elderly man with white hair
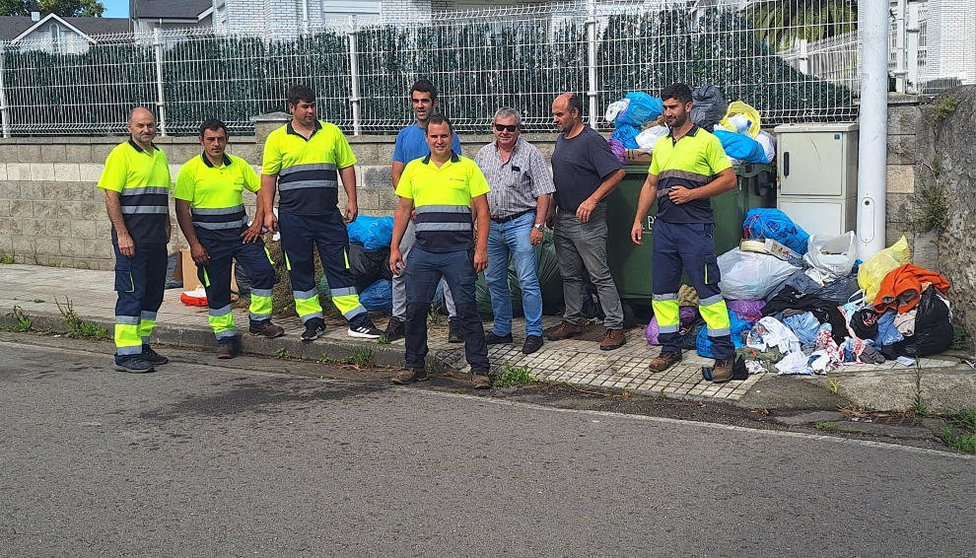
521	186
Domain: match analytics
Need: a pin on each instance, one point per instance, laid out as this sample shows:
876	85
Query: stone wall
946	169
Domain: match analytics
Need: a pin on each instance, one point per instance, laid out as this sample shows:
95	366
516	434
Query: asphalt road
240	460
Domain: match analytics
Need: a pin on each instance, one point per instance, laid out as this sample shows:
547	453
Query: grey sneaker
314	329
133	364
152	357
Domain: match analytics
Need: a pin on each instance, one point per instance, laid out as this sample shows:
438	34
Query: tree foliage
478	67
782	21
64	8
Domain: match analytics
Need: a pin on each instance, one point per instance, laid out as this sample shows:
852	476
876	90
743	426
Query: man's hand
271	222
637	234
585	209
679	195
127	246
199	254
535	237
480	260
396	261
252	233
352	211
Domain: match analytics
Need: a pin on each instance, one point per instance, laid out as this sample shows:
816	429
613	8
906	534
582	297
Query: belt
501	220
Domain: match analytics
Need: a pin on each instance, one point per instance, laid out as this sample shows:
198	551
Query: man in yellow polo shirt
136	182
211	214
446	190
304	160
688	166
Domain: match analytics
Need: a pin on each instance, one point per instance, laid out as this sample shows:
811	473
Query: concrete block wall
51	213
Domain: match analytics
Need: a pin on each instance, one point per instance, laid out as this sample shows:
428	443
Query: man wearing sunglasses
518	201
411	143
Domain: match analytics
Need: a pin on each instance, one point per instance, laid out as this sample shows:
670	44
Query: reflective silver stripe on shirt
218	210
221	226
308	167
427	227
144	209
145	190
444	209
300	184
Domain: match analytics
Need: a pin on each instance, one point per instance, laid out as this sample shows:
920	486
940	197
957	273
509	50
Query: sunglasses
510	128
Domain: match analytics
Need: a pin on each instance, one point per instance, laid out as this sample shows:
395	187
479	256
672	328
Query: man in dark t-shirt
584	171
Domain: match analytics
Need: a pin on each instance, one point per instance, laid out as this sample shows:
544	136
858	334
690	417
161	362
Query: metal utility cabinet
817	174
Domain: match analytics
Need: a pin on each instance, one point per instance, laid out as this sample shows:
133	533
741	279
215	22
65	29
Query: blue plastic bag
765	222
704	345
642	109
627	135
378	297
374	233
741	147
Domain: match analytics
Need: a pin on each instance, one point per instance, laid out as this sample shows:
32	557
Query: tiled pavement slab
578	362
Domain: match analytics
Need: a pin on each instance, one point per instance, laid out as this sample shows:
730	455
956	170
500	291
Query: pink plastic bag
747	310
686	315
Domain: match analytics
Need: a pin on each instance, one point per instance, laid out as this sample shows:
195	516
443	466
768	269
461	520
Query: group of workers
455	218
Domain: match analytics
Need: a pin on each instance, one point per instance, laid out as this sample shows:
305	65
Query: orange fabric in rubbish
902	288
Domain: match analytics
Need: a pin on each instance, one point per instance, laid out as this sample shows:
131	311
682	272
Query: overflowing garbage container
631	264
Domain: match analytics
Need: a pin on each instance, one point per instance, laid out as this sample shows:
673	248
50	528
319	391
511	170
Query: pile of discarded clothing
638	125
804	304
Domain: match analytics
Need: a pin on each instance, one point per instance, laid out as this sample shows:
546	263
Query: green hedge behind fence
478	66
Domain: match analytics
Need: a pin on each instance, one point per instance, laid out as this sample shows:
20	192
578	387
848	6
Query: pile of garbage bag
809	306
638	124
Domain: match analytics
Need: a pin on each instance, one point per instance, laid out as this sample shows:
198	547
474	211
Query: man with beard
688	166
304	161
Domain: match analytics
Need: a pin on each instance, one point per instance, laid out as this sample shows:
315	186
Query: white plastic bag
751	275
647	138
615	108
830	257
768	143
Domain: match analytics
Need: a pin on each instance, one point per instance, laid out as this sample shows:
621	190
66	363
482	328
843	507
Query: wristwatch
539	226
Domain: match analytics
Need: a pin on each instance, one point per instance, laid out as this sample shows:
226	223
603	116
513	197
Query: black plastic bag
368	266
709	106
933	328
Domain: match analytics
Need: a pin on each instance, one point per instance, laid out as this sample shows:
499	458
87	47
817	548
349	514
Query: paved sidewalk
37	290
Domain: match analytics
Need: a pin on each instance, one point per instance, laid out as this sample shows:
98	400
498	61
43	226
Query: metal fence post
591	59
354	98
3	95
160	99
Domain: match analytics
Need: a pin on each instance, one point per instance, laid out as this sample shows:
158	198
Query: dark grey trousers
581	249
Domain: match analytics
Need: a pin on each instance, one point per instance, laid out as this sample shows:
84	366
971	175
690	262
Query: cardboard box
637	157
188	270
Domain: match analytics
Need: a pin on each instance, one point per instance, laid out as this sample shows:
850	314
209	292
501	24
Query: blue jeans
424	270
512	239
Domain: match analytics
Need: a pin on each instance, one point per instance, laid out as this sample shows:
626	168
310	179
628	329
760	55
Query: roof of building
169	9
12	27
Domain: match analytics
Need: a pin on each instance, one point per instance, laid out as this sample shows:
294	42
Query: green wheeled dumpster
631	264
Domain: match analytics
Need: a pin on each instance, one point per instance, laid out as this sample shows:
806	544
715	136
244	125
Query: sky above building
116	8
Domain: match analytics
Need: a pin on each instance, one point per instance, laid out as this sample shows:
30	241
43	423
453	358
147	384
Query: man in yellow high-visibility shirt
304	161
688	167
136	182
211	214
448	192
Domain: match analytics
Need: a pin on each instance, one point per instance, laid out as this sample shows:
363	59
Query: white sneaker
365	332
